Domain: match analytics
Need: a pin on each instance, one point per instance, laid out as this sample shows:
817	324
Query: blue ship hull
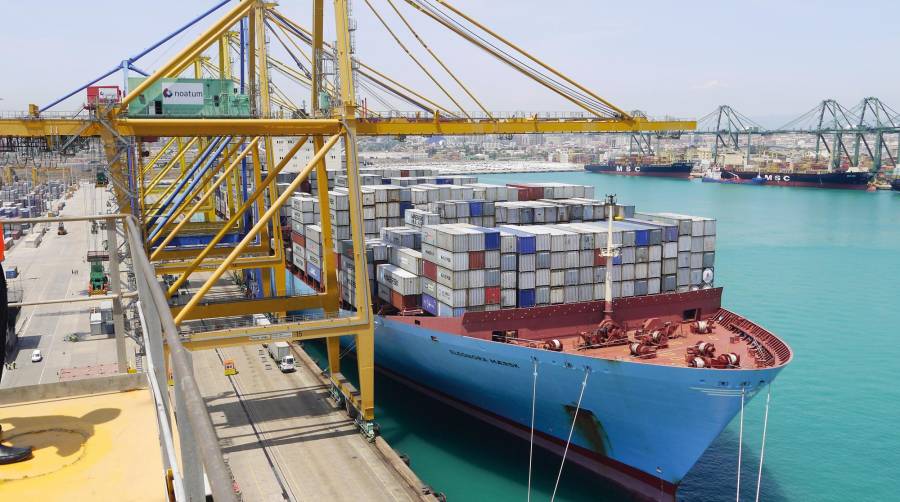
638	423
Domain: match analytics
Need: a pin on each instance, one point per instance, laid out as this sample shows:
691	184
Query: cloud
710	84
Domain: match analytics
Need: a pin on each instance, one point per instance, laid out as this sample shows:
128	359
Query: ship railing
190	464
770	349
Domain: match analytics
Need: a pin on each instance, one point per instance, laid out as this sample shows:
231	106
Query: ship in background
791	175
895	185
643	166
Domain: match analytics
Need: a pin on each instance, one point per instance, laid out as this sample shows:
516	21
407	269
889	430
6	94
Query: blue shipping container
475	208
525	242
314	272
526	298
491	238
430	304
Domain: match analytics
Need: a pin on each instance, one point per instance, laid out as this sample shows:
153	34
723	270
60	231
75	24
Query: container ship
848	180
538	305
895	185
679	169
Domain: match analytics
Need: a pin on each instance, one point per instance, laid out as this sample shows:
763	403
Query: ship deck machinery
658	390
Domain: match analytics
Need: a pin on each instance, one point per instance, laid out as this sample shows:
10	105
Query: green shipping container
189	97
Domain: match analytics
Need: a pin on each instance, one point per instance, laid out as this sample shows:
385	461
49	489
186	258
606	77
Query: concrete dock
45	273
284	438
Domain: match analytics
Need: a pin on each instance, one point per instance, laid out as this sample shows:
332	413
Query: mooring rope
762	450
740	447
587	373
531	442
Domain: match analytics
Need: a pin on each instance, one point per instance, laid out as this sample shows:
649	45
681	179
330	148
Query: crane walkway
285	440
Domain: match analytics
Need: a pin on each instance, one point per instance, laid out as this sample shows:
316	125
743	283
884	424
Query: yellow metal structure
165	186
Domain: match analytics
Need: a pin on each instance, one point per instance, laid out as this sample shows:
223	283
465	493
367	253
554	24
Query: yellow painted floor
95	447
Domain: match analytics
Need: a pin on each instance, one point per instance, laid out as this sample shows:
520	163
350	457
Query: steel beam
252	306
263	221
257	192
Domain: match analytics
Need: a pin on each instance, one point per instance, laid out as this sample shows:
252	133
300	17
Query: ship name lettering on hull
484	359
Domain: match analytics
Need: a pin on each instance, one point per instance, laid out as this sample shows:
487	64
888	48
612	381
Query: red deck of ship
730	333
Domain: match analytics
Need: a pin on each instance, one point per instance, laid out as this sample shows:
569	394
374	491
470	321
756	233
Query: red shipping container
476	260
492	295
404	173
429	270
404	302
599	259
298	239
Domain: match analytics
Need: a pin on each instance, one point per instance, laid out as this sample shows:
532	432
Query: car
36	356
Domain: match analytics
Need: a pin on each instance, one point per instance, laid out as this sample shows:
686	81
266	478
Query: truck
281	353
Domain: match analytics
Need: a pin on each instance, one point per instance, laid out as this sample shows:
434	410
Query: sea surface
820	268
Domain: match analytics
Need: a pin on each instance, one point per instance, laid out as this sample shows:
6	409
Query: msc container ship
848	180
505	320
679	169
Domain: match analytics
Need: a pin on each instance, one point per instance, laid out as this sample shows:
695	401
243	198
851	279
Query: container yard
298	252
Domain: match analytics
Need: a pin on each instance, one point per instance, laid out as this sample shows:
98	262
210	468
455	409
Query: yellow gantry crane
201	155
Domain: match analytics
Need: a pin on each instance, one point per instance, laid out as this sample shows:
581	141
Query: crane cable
411	56
436	58
547	67
531	441
762	450
587	373
740	448
591	105
304	35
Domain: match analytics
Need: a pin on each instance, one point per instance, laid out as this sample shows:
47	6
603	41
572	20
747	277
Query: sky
770	60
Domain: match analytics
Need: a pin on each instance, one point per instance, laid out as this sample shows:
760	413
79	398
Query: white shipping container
492	259
401	281
447	259
640	271
557	295
476	278
508	298
627	289
526	280
585	292
570	294
452	297
508	279
526	263
475	297
429	287
670	249
628	272
452	279
542	295
541	277
557	278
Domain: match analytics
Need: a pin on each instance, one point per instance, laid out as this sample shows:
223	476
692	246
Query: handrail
203	433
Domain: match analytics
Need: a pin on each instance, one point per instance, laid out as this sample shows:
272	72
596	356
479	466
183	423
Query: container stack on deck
450	245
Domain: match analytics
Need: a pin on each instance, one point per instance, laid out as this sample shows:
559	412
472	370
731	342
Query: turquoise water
818	267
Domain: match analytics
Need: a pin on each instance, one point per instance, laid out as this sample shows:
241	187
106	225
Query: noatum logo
182	94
